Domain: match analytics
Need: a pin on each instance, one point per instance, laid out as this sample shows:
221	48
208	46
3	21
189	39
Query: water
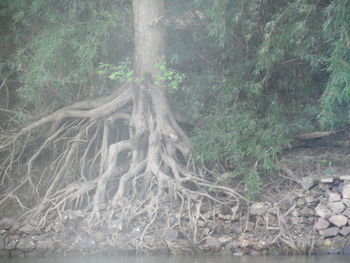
182	259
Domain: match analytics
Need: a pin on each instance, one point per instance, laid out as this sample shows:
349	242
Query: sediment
301	211
315	220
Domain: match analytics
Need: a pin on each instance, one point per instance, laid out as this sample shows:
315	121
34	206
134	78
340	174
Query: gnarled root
122	158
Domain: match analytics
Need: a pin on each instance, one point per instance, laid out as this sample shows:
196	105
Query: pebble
26	244
345	177
307	182
345	231
327	180
329	232
334	197
346	212
259	209
323	211
321	224
6	223
306	211
301	202
225	239
346	191
336	207
346	202
236	227
338	220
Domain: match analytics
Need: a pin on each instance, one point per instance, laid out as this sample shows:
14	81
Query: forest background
247	75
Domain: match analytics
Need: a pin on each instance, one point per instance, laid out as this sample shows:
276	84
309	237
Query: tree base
122	159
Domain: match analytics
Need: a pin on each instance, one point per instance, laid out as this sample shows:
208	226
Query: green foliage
59	45
249	73
121	73
335	100
262	79
21	117
172	78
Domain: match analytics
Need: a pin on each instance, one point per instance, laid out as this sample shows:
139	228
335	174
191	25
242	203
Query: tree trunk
131	178
149	35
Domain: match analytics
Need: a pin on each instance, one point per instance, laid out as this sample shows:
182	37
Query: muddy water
181	259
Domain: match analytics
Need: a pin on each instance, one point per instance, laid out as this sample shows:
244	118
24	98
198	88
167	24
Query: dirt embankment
305	209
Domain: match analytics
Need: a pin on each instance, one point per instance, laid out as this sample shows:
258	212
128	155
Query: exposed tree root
122	159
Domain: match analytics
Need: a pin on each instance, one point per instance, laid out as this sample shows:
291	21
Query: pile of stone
27	240
334	210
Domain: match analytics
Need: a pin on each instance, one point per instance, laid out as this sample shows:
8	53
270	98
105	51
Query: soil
284	219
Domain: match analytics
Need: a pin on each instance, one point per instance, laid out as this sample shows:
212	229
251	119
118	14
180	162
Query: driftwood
320	138
315	135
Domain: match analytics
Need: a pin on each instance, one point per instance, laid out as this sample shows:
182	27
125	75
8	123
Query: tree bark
149	35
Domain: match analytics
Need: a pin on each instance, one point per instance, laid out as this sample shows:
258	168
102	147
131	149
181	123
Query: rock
84	244
208	215
254	253
336	207
259	209
245	243
307	182
211	245
345	177
301	202
274	251
323	211
309	199
39	238
171	234
224	217
346	202
327	180
329	232
274	211
345	231
29	229
26	244
346	212
43	246
336	189
58	227
17	253
6	223
337	245
100	236
236	227
346	191
180	246
259	245
321	224
11	244
202	223
346	249
249	227
4	253
309	228
295	220
2	242
334	197
206	231
338	220
324	186
306	211
33	253
286	203
224	239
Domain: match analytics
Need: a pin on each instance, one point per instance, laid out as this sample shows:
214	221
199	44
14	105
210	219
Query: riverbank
305	209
